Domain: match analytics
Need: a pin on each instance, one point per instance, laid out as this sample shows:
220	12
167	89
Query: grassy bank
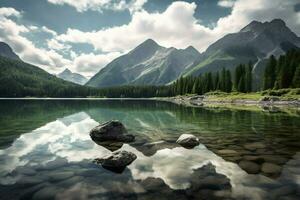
278	98
282	94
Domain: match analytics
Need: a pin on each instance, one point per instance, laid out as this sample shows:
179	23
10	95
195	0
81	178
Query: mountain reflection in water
55	161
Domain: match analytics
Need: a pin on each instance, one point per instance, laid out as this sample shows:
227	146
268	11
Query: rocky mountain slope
72	77
7	52
255	43
149	63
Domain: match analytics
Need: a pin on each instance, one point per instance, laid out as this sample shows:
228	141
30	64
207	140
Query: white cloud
226	3
99	5
56	45
50	31
42	29
33	28
89	64
7	12
178	27
174	27
11	33
50	60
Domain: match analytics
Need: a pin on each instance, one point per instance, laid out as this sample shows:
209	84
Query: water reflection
55	160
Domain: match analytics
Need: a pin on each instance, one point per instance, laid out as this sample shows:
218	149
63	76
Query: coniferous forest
19	79
279	74
283	72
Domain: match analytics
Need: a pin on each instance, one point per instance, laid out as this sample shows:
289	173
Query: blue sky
84	35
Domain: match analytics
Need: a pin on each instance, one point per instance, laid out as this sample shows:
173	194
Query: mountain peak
253	26
149	43
6	51
145	49
256	26
66	71
68	75
278	22
191	48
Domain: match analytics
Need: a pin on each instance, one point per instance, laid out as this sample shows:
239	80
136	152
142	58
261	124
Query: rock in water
111	131
116	161
249	166
188	141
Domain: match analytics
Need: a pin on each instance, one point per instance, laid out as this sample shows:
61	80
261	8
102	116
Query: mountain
149	63
19	79
72	77
6	51
255	42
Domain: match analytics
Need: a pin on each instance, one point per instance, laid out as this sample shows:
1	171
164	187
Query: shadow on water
46	152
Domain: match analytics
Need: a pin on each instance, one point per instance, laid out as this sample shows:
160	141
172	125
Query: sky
85	35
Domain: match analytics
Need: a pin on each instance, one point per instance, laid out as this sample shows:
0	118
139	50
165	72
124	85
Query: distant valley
72	77
150	64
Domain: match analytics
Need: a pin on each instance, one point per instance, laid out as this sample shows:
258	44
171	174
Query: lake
245	153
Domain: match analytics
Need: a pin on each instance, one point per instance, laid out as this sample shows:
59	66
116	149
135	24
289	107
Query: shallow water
46	152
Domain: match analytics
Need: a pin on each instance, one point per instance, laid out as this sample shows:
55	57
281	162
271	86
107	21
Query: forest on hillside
18	79
279	74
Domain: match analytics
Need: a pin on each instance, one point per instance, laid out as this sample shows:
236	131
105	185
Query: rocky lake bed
151	150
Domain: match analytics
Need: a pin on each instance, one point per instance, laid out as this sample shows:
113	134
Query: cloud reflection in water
67	141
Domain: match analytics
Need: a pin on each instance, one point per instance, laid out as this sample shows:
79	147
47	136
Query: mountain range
72	77
20	79
147	64
152	64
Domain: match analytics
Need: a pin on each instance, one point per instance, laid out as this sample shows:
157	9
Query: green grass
282	94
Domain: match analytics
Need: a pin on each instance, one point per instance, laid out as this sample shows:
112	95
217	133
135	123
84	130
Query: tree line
283	72
221	80
18	79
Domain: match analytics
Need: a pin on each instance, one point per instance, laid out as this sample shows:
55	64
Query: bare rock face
188	141
116	161
111	131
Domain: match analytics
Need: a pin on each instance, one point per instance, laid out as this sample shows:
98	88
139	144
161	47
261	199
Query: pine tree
217	81
248	81
237	76
270	73
194	90
228	82
223	80
209	82
296	78
241	85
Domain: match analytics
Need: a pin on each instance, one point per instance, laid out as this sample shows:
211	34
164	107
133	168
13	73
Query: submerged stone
249	167
228	152
58	176
188	140
271	168
254	146
110	145
111	131
116	161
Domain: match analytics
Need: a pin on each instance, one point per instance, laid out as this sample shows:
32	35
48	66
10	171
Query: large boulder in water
116	161
111	131
188	141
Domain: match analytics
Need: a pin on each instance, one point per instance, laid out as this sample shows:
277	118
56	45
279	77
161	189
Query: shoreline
208	101
193	100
